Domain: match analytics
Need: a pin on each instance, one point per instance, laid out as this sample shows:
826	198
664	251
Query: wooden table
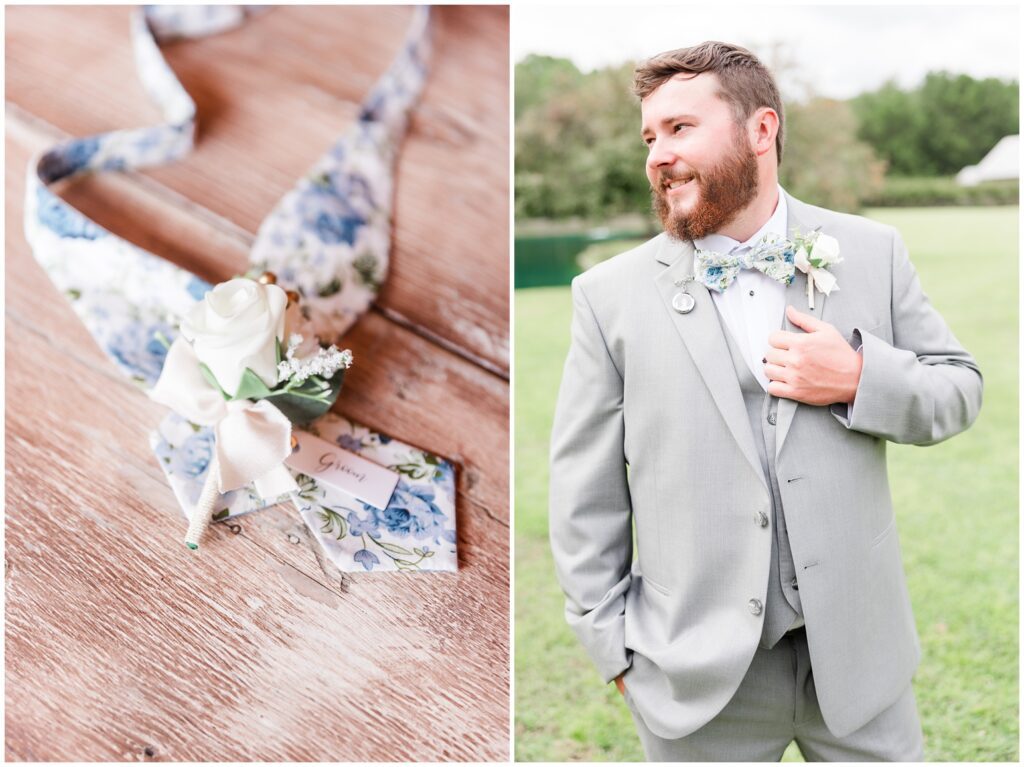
121	643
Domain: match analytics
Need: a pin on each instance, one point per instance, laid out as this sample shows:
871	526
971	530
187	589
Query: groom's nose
660	155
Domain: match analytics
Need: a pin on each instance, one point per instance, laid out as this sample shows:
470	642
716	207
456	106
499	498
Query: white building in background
1000	164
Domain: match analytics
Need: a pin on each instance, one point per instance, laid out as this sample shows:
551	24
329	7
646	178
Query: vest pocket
654	584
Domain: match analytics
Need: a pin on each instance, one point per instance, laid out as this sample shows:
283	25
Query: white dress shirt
754	304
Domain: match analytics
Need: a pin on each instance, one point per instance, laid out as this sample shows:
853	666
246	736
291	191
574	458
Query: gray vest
782	605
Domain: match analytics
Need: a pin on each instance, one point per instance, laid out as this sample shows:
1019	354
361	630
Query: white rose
826	248
237	326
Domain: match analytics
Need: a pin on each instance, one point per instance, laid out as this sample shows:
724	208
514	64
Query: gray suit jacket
651	432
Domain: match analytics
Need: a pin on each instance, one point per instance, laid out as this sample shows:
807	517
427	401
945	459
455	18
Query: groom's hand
817	367
621	684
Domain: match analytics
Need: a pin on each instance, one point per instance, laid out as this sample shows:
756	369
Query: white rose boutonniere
228	370
815	252
238	326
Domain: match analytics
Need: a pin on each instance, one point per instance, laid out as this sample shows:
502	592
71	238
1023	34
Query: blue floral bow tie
773	255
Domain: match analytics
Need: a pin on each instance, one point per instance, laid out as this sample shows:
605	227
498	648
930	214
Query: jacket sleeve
590	516
923	388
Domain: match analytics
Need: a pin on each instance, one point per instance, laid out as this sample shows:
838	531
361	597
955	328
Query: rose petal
826	248
235	327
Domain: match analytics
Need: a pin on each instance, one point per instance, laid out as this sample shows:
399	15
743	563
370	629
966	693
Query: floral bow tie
773	255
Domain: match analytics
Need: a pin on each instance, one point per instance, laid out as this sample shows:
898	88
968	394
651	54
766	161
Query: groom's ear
764	127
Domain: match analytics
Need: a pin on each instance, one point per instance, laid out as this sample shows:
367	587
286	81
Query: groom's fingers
776	356
781	389
808	322
777	372
782	339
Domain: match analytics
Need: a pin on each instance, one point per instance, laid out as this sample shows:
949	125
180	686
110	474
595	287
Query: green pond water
552	259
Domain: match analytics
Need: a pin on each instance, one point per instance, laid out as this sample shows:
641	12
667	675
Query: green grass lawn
956	506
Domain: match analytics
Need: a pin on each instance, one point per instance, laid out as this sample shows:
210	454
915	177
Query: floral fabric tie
773	255
328	239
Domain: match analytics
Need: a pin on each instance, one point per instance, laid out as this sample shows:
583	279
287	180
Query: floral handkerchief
416	531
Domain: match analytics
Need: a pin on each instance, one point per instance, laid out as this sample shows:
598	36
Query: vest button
755	606
771	418
762	519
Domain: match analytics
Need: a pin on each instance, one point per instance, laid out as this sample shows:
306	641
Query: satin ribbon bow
251	439
773	256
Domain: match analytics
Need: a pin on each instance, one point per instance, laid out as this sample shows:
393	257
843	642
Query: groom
736	418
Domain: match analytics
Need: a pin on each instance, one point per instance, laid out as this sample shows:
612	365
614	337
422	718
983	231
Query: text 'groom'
728	393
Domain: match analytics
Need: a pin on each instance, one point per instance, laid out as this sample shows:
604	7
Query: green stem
390	555
162	339
295	393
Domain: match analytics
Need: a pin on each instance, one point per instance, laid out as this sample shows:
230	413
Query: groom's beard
723	191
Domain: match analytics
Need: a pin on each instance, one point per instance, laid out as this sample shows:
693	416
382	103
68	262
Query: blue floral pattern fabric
328	239
415	532
774	256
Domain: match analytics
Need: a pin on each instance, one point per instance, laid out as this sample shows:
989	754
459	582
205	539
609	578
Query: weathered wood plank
273	95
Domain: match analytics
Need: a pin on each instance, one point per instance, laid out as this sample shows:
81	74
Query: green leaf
411	470
393	548
210	379
308	402
334	286
431	459
251	387
365	267
162	339
220	515
332	520
277	351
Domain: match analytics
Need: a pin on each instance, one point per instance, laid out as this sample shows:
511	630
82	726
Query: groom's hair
746	83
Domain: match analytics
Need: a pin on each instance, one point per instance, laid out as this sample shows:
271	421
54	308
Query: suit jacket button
755	606
762	519
771	418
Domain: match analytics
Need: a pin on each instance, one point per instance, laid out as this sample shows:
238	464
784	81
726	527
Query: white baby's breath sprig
324	364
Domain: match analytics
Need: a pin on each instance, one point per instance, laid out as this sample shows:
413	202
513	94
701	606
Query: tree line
579	153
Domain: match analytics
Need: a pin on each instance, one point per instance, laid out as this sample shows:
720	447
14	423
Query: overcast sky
839	50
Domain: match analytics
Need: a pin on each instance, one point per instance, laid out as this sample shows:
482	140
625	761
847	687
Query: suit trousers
776	704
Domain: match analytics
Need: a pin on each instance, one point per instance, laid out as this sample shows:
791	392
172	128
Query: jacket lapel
799	217
701	331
